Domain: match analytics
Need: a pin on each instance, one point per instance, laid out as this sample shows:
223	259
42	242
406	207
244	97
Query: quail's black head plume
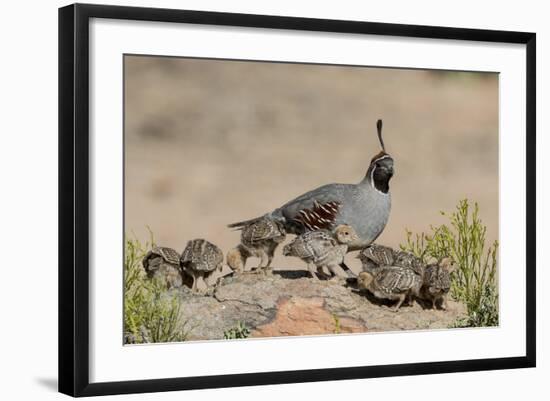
379	129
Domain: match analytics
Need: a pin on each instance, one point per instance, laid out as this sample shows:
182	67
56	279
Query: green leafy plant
475	280
150	313
237	332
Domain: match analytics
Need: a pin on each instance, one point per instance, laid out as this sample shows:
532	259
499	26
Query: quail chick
409	260
164	264
375	256
321	249
199	260
437	282
391	282
236	258
260	239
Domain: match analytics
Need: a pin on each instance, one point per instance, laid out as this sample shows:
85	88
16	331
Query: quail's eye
346	233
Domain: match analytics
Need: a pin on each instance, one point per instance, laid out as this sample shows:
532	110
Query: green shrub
150	313
475	280
240	331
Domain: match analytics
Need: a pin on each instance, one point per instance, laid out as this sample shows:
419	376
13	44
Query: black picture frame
74	198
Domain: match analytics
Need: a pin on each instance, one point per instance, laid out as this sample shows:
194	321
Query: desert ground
210	142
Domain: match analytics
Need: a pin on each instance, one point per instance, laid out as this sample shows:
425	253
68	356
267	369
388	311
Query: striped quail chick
375	256
391	282
164	264
365	206
321	249
199	260
437	282
258	239
407	259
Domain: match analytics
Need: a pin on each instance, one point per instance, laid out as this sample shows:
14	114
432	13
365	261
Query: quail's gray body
200	259
437	282
391	282
364	206
321	249
361	206
164	264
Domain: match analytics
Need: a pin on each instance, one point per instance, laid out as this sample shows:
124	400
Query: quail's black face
381	171
384	167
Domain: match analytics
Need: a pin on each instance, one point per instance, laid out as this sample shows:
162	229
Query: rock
272	306
299	316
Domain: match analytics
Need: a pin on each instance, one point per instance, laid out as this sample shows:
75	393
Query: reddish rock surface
299	316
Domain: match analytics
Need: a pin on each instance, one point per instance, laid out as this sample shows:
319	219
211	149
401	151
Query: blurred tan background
210	142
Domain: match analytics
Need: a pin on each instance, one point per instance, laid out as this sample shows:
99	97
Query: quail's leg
179	279
409	299
211	279
337	274
194	286
312	270
268	269
264	259
269	258
325	271
239	270
444	302
346	269
399	302
202	286
170	283
320	273
434	303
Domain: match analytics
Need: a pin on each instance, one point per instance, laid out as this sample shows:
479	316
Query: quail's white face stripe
381	158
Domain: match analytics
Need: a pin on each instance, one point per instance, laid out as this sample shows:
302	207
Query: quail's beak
388	170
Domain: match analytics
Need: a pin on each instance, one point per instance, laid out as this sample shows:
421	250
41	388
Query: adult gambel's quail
364	206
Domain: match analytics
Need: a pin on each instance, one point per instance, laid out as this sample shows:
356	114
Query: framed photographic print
254	199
